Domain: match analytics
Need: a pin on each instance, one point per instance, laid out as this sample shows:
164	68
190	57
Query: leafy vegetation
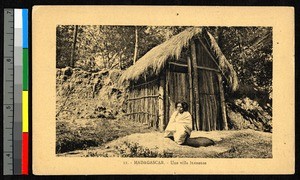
249	49
107	46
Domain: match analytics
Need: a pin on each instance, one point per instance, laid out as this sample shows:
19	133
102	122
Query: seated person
180	124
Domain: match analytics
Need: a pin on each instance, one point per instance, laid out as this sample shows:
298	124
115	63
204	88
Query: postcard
163	90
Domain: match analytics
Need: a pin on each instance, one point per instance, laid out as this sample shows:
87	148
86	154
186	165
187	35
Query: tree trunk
136	45
72	62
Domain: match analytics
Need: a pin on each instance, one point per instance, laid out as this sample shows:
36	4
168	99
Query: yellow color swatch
24	111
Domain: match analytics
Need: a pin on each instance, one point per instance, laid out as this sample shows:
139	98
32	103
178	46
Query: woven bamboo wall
142	103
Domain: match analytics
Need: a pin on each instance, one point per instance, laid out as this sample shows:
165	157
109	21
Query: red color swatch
25	153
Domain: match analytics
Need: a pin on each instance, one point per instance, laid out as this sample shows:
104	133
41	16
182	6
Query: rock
246	113
67	71
237	121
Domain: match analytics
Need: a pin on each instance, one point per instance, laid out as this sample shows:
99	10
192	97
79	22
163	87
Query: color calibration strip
15	134
25	93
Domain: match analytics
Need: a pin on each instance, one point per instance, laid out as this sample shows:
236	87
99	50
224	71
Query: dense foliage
107	46
249	50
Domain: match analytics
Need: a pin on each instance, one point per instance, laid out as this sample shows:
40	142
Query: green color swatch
25	69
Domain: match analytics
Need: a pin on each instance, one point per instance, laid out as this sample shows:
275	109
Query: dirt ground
228	144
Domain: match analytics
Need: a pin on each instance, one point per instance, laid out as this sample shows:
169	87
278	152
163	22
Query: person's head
181	106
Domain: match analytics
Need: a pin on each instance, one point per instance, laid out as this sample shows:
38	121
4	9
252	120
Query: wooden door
178	89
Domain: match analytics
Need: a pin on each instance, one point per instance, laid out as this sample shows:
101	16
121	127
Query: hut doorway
178	89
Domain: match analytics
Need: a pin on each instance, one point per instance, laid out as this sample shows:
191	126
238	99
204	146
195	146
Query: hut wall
209	93
142	103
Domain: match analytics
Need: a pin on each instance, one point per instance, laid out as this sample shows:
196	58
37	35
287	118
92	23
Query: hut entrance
178	89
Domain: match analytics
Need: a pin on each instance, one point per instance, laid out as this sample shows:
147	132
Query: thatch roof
154	61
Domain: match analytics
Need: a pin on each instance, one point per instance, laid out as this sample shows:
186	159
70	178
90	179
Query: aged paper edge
46	18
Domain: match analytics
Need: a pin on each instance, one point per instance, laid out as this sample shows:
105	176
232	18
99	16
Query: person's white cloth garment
179	126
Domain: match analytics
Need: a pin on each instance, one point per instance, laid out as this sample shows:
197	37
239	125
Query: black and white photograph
164	91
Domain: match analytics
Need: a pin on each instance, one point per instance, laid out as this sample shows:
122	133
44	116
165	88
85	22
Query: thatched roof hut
189	66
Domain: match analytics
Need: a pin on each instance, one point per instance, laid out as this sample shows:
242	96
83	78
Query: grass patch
83	133
246	145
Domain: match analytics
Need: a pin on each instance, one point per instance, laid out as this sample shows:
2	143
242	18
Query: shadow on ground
197	142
